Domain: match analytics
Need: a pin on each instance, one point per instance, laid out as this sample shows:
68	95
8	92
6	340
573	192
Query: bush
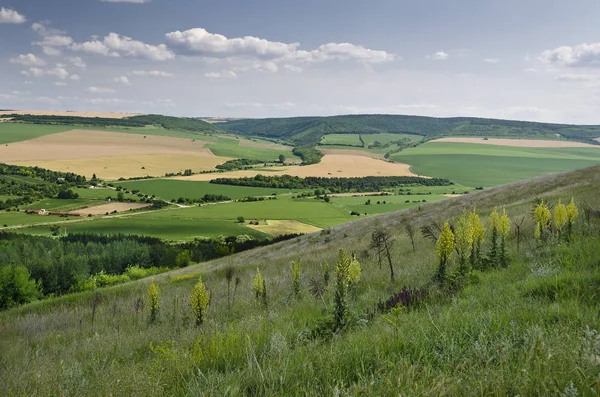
16	286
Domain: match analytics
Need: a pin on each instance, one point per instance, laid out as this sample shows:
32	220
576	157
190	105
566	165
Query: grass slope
17	132
530	329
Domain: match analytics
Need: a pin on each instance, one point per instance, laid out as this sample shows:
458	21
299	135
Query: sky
533	60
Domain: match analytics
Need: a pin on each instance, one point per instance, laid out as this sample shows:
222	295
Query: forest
33	267
334	185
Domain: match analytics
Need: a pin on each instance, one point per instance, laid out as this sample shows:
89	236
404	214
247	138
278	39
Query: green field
386	137
17	132
392	203
169	189
230	147
341	139
487	165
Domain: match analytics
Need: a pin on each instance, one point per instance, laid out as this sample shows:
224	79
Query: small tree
183	259
518	230
381	240
494	224
296	276
572	213
410	232
282	158
199	300
504	227
445	246
153	301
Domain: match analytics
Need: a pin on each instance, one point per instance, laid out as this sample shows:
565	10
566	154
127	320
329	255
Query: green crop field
169	189
230	147
341	139
487	165
392	203
17	132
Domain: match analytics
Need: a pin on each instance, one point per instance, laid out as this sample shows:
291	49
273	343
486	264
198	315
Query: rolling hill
528	328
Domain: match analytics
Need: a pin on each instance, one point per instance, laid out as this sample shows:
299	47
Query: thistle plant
504	227
341	289
296	276
541	216
445	246
494	224
153	301
572	213
464	237
199	300
478	238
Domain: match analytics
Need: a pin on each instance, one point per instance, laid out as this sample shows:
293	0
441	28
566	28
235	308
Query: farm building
36	212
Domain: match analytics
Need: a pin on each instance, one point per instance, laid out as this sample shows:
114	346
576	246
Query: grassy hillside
529	329
309	130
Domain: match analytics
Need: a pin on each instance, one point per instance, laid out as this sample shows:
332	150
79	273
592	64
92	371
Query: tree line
334	185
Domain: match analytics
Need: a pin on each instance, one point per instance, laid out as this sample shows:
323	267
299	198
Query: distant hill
167	122
309	130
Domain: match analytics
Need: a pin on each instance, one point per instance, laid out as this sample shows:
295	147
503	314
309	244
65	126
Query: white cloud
75	77
77	62
293	68
47	100
51	51
579	55
58	71
577	77
127	1
60	84
439	56
200	42
28	60
101	90
55	41
106	101
154	73
491	60
226	74
8	15
122	80
115	45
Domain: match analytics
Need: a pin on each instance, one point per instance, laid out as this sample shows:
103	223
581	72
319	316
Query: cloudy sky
513	59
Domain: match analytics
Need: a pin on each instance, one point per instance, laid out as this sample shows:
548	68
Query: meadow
169	189
16	132
530	328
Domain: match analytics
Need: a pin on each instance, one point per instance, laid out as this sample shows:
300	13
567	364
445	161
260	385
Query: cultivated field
111	155
332	165
534	143
278	227
472	164
104	115
109	208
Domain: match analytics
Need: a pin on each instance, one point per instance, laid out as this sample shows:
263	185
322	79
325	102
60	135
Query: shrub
199	300
16	286
445	246
541	216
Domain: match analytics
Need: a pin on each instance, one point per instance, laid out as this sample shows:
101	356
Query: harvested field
517	142
104	115
332	165
597	139
119	207
111	155
279	227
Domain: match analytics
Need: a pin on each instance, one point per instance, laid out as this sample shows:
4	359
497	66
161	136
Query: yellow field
517	142
279	227
104	115
111	155
332	165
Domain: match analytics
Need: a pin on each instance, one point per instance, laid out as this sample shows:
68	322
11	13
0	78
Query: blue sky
528	60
